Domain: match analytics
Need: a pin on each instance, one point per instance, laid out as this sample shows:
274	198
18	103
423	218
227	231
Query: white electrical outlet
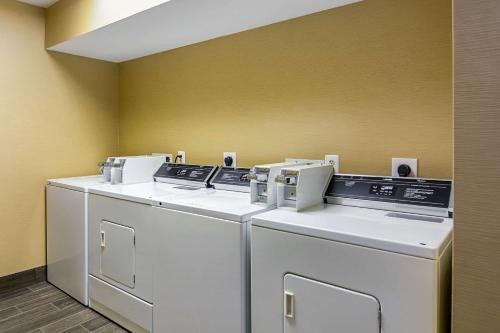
168	157
334	160
411	162
181	157
231	156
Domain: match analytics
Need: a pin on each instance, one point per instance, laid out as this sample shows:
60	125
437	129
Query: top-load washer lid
222	204
141	192
411	234
81	184
229	199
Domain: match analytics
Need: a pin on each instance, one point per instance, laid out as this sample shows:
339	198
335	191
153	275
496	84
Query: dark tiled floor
42	308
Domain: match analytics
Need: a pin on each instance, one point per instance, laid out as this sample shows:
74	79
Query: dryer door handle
289	305
103	238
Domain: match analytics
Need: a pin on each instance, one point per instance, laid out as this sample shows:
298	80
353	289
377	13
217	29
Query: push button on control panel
383	190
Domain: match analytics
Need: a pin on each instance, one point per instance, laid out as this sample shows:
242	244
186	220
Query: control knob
404	170
228	161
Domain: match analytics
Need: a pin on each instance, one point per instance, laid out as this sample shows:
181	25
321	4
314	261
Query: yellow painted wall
67	19
58	117
369	81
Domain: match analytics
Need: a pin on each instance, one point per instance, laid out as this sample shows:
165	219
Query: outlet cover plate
335	160
230	154
182	158
412	162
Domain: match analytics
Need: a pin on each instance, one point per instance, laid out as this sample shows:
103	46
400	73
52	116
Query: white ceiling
40	3
182	22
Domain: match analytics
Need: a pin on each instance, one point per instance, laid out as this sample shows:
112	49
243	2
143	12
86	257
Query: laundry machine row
345	252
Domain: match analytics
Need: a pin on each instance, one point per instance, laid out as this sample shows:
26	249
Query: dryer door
118	253
315	307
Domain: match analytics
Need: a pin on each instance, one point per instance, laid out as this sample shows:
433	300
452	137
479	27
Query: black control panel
409	191
192	173
232	176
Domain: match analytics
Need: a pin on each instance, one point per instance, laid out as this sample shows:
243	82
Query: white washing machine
375	258
67	225
201	274
121	249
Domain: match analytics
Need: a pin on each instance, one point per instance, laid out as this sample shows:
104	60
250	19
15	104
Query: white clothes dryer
375	258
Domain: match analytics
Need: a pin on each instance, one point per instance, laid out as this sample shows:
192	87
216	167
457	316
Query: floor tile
27	297
28	316
55	296
40	285
9	312
70	321
64	302
111	328
95	323
76	329
42	308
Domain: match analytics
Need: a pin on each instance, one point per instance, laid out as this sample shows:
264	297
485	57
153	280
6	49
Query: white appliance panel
128	214
410	234
408	288
121	307
67	241
200	273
